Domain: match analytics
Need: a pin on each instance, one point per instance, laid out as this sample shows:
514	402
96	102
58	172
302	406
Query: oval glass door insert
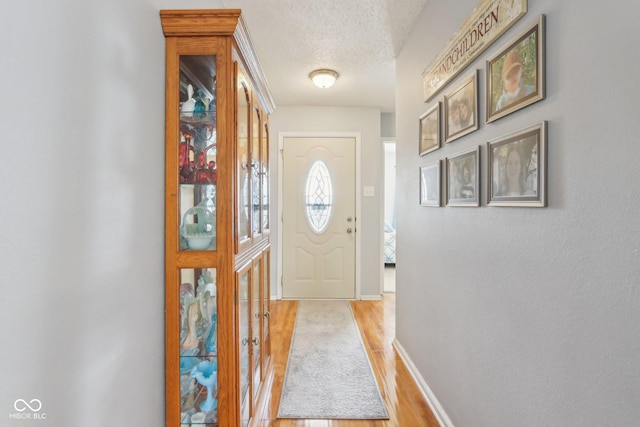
318	197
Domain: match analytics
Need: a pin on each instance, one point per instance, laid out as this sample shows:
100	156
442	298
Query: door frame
358	195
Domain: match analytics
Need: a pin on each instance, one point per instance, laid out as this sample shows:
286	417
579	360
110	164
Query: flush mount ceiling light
323	78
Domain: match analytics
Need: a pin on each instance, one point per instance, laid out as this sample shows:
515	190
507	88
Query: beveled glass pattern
318	197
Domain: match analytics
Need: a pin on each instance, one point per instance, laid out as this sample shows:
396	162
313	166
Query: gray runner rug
328	372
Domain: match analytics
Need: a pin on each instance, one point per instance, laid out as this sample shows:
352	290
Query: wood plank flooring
376	321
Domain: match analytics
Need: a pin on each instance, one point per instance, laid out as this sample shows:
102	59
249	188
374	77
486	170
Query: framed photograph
430	130
430	185
516	75
517	168
463	176
461	109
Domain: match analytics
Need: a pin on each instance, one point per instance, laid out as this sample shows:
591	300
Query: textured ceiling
358	38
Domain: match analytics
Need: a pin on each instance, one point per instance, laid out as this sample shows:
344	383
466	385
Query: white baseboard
436	408
371	297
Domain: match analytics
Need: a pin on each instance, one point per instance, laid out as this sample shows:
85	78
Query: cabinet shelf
199	122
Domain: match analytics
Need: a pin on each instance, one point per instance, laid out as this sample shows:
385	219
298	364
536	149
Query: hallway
376	321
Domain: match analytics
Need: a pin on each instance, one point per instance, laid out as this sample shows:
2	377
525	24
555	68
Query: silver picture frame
517	168
462	171
461	109
430	194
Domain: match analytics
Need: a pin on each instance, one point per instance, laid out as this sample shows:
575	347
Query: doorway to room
319	217
389	248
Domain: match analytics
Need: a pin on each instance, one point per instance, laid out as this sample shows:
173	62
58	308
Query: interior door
319	223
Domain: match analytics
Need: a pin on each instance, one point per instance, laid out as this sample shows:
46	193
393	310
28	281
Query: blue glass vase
200	109
212	338
206	373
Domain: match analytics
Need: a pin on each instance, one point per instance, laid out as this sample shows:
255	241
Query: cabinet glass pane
255	173
197	165
264	182
198	217
198	346
243	161
255	326
244	316
266	295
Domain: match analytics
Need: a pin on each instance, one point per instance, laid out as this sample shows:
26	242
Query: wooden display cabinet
216	219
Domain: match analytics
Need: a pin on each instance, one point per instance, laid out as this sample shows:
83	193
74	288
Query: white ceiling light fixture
323	78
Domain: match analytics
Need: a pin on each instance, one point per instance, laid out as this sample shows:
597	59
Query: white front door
319	222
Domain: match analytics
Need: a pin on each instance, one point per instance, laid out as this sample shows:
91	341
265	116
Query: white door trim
358	195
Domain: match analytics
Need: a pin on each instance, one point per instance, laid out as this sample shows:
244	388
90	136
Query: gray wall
388	125
82	211
530	317
365	121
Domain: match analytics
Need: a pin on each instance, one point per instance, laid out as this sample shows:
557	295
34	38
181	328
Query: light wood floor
376	321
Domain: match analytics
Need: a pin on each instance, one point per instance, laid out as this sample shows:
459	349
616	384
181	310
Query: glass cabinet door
266	295
198	346
244	316
256	160
264	175
197	152
256	324
243	166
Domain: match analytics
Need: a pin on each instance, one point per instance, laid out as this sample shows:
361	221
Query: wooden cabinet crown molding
199	22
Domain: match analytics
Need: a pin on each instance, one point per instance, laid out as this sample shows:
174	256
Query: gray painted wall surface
81	218
388	125
530	317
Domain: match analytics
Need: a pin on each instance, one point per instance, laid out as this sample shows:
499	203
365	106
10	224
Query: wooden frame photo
516	75
517	168
430	130
430	185
463	177
461	109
